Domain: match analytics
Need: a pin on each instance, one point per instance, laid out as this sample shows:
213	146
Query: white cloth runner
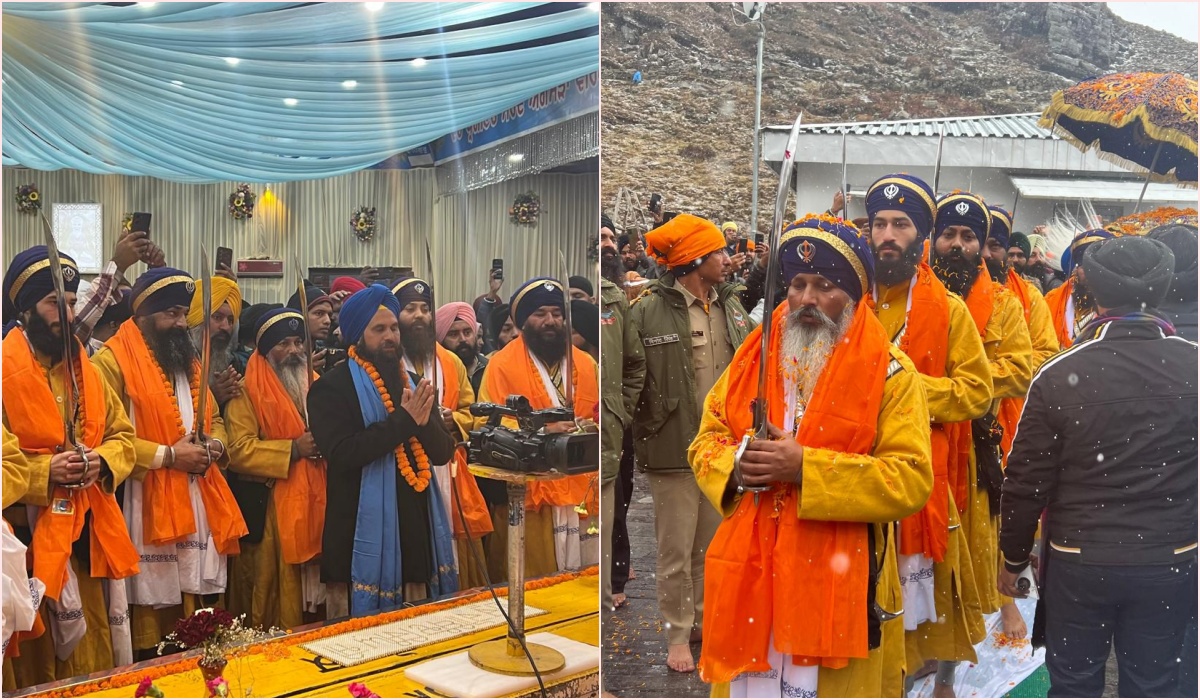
21	594
916	584
67	623
169	571
784	680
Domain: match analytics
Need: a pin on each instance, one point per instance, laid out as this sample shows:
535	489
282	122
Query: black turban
1129	271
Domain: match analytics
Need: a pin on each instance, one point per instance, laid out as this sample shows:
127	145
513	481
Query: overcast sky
1178	18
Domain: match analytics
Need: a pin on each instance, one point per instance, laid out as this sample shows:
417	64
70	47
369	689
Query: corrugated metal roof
999	126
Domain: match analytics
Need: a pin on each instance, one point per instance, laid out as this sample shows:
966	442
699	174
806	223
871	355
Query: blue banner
562	102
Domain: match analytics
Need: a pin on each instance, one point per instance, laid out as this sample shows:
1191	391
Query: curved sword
308	338
759	408
73	395
937	164
568	376
433	317
205	349
845	185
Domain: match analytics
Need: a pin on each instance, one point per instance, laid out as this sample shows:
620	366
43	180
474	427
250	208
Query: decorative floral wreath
28	198
362	223
525	209
241	202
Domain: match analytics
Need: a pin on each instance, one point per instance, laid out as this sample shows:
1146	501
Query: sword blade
308	338
568	375
845	185
70	388
205	347
937	165
432	314
785	179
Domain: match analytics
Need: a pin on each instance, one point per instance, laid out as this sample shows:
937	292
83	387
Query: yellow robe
887	485
261	584
16	469
151	625
963	394
469	574
1041	327
38	663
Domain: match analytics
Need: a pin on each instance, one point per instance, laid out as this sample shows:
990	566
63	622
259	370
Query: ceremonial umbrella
1142	121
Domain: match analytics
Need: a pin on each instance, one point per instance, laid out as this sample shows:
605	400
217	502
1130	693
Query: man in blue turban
901	212
1071	305
387	541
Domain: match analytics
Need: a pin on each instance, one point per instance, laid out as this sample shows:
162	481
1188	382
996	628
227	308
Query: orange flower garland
272	649
194	383
420	480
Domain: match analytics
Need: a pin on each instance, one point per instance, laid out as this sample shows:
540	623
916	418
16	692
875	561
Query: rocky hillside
685	131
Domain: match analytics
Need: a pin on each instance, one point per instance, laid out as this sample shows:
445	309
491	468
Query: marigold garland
189	663
193	382
420	480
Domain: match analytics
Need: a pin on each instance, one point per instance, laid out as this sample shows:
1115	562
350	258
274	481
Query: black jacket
337	427
1107	444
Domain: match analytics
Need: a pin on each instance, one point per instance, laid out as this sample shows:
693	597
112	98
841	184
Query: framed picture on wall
79	232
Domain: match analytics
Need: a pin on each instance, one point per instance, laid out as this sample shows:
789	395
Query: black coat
1107	444
348	446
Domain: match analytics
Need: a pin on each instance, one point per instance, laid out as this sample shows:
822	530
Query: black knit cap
1129	271
1181	239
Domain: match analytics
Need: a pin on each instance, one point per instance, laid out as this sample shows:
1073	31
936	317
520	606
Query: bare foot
618	600
1012	622
943	691
679	658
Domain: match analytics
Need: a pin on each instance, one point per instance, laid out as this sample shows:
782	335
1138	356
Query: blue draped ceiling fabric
269	92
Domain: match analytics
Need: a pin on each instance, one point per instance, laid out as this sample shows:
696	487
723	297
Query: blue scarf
376	577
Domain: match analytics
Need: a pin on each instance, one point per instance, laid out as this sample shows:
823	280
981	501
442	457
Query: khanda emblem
808	251
68	273
962	208
190	287
891	191
294	323
548	286
420	289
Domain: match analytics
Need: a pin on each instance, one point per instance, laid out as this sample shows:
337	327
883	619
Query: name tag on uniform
661	340
697	334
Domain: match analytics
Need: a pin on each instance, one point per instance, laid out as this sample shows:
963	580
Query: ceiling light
232	61
177	83
516	158
290	101
373	6
349	84
418	62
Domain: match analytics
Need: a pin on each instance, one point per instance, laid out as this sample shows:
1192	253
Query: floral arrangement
525	209
1143	223
213	630
241	202
217	687
29	200
358	690
362	223
147	689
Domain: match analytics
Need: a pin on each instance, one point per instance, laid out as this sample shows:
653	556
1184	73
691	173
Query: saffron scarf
926	344
765	541
167	513
511	371
376	575
300	498
1057	300
35	418
981	302
475	509
1010	409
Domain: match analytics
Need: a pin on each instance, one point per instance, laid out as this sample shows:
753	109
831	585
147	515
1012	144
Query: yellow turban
684	239
224	290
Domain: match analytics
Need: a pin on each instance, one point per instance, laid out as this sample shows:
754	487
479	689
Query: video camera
528	449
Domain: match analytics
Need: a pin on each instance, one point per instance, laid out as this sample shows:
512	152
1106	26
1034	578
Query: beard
387	362
902	269
611	267
806	348
1082	296
173	349
549	345
466	351
957	271
997	270
417	340
291	374
43	338
220	348
1021	268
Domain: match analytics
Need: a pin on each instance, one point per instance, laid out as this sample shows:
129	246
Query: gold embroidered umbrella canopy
1145	222
1143	121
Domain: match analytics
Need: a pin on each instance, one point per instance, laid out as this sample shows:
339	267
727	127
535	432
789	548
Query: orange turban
684	239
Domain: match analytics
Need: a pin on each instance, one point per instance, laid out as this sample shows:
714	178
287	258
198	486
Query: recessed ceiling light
290	101
418	62
373	6
349	84
232	61
516	158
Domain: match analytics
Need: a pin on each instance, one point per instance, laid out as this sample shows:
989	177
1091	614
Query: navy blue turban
833	249
275	325
963	209
161	288
1001	229
413	289
905	193
534	294
27	280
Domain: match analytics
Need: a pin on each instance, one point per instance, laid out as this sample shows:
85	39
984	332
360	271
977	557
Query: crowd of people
289	488
952	422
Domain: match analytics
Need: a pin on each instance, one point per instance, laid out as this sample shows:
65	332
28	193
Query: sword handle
737	468
82	452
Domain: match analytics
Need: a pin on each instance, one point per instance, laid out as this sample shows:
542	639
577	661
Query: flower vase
211	671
